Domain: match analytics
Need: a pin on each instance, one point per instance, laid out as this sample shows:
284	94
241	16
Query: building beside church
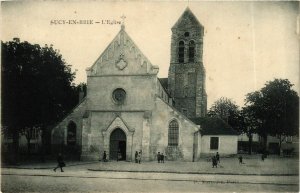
128	108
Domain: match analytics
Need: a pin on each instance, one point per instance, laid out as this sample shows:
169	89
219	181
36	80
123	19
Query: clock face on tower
119	95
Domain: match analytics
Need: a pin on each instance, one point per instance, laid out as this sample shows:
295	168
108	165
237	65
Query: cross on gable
123	17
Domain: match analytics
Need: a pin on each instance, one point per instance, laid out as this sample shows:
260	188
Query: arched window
191	51
185	91
181	52
173	133
71	135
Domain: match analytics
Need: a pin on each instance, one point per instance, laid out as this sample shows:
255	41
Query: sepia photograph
150	96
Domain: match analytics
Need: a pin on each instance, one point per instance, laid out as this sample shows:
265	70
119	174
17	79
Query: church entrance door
117	146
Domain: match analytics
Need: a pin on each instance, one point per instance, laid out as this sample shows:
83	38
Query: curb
204	173
177	180
46	167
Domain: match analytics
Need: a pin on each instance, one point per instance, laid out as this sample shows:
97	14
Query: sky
246	44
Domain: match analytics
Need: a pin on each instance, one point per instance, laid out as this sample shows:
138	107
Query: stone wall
140	90
121	57
59	132
101	121
227	145
161	117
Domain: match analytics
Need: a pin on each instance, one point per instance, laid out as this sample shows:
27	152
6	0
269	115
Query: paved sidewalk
228	166
146	176
48	164
272	172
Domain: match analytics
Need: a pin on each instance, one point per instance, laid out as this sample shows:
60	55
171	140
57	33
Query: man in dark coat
136	157
162	158
60	163
218	157
214	161
158	157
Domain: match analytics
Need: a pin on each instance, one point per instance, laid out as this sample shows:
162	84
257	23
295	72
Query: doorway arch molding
118	123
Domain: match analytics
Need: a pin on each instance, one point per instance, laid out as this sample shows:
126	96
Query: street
78	179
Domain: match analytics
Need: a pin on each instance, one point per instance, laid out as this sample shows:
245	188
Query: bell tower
186	78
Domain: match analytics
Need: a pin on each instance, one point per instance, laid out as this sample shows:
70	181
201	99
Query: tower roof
187	18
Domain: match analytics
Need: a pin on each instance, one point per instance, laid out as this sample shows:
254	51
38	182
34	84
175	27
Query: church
129	109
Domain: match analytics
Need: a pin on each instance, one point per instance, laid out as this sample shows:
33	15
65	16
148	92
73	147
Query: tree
37	88
242	121
276	109
227	110
248	125
254	102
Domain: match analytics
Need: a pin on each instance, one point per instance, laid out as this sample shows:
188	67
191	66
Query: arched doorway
117	144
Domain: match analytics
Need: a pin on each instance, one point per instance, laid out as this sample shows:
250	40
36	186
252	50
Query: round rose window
119	95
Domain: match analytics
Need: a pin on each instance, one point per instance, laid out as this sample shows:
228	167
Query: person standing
119	155
136	157
60	163
214	162
240	159
158	157
139	157
104	157
218	157
162	160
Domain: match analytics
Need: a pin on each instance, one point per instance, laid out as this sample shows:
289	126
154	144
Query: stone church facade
128	108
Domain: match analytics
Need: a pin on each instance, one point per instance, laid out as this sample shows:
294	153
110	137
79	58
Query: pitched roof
187	15
120	48
164	82
214	126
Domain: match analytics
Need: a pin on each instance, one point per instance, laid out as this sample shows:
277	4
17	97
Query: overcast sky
245	43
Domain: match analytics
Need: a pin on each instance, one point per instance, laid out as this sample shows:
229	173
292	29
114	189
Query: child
241	159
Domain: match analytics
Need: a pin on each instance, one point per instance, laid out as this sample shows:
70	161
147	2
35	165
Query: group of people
160	157
138	156
215	160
